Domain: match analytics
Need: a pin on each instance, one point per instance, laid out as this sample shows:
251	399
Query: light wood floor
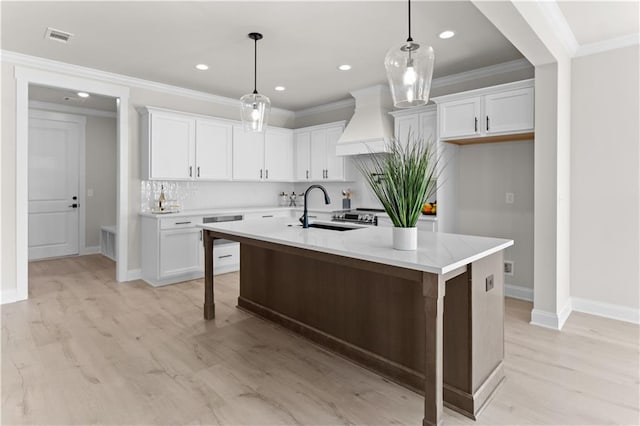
86	350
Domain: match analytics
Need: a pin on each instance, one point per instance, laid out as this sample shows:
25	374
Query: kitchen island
385	309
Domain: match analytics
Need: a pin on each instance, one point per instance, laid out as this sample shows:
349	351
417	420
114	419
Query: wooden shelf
492	139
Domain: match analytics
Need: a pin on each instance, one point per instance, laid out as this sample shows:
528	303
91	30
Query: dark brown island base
430	320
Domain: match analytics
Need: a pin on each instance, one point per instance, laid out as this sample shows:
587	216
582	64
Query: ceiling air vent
57	35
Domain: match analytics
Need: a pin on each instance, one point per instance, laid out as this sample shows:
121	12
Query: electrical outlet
509	198
489	282
89	192
508	267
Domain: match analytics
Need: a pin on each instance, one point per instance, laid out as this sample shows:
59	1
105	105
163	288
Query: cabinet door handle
326	174
198	171
267	215
190	171
487	123
475	126
201	235
226	255
183	223
266	174
260	173
307	174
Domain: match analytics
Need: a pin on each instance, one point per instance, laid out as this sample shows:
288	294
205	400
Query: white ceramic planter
405	238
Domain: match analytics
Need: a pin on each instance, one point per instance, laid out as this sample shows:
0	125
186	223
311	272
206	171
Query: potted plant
403	179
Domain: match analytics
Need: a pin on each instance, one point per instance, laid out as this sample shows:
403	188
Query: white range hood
371	126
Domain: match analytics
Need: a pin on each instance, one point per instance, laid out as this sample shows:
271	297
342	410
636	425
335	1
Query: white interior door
54	142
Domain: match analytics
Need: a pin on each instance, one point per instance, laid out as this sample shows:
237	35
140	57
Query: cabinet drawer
180	222
226	255
267	214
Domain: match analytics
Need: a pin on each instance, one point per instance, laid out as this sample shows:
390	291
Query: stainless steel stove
361	216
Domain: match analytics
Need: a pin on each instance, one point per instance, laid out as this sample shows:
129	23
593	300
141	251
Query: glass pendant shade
409	71
254	111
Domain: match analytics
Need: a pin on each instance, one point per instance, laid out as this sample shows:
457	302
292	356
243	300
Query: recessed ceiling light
446	34
344	67
83	94
280	88
202	67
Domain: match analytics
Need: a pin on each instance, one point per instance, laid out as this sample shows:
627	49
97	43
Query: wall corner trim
9	296
552	320
134	274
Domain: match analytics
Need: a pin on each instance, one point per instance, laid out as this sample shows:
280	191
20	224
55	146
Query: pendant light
255	107
409	71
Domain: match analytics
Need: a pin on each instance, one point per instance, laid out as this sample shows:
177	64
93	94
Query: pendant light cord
255	66
409	39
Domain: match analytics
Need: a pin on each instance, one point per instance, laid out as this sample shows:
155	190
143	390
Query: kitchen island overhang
382	308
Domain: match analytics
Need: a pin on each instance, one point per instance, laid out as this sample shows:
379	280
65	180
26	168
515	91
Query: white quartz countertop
437	252
225	210
240	210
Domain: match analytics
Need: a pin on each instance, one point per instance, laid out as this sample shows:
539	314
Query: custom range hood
371	126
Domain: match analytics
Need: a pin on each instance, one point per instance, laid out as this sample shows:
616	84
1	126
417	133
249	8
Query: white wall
605	212
486	173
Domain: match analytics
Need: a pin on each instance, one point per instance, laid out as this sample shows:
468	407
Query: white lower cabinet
173	252
180	252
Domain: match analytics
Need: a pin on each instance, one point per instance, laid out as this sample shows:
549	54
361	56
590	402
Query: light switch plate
489	282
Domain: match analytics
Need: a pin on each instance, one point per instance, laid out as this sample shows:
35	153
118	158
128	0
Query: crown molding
505	67
124	80
332	106
611	44
51	106
463	77
559	26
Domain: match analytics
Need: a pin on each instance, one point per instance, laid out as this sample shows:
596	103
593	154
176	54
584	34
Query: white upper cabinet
318	154
460	118
510	111
214	150
315	151
334	165
417	122
302	152
507	109
168	144
248	155
266	156
278	155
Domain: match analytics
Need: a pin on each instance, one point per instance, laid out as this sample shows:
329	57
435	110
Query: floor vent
57	35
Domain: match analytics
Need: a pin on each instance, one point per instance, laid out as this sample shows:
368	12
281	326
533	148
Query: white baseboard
518	292
551	320
90	250
9	296
607	310
134	274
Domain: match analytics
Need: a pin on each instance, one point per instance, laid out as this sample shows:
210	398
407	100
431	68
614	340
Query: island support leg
433	288
209	305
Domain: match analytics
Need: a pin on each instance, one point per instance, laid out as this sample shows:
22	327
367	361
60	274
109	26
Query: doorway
29	76
72	172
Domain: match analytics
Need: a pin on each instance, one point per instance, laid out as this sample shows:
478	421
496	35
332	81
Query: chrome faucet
305	216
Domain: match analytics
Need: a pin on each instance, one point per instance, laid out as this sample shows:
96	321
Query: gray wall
486	173
605	180
101	169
